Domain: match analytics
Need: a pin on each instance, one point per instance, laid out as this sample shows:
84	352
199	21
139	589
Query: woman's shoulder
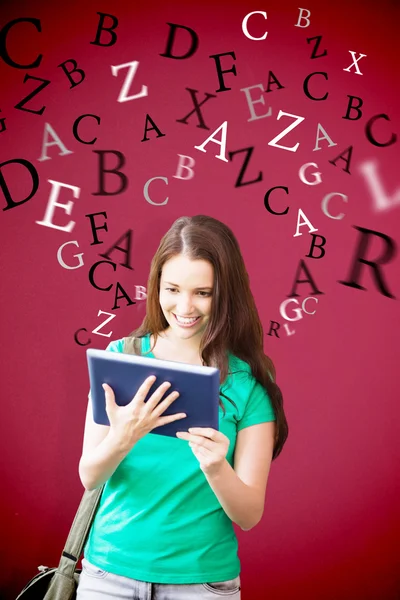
239	370
116	345
237	363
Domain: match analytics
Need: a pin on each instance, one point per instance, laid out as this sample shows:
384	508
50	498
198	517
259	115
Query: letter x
354	63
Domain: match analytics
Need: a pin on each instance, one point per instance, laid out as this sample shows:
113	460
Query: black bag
60	583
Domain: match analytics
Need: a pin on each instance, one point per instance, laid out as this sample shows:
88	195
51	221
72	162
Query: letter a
221	143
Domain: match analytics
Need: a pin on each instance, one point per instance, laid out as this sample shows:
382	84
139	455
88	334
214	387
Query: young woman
164	526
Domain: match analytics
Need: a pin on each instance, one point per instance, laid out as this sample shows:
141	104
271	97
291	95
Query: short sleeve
115	346
258	408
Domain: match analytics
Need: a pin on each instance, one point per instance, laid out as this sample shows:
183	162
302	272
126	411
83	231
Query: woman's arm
101	454
241	491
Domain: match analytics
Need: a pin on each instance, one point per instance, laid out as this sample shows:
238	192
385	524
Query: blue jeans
97	584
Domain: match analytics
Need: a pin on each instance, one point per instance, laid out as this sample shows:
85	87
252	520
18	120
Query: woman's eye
204	294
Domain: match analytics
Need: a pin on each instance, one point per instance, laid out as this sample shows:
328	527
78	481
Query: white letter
140	293
305	222
221	143
305	18
52	203
182	166
317	174
128	81
285	131
251	102
379	195
304	301
325	201
57	142
244	25
288	332
297	311
324	137
60	259
354	63
146	193
101	312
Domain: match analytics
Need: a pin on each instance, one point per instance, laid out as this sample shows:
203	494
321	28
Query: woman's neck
180	346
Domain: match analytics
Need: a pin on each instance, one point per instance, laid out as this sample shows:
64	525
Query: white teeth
186	321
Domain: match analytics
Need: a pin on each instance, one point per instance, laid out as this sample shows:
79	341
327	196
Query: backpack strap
132	345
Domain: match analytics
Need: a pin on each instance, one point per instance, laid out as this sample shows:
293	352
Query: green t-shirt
158	519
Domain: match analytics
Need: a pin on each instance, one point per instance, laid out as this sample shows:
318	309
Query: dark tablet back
197	385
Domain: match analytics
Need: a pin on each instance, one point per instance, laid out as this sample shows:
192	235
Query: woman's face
186	288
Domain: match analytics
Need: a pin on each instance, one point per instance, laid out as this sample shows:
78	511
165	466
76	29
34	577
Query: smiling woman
187	304
162	492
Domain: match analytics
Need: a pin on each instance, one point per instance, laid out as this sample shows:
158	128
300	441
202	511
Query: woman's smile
187	323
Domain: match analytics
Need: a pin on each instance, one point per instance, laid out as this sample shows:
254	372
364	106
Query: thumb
110	398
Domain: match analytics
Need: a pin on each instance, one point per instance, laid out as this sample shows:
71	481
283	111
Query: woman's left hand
209	446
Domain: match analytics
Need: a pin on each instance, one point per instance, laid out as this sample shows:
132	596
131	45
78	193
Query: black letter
154	128
170	42
273	80
122	176
222	87
315	245
348	151
315	49
369	133
124	295
126	251
3	185
249	152
266	203
92	270
32	94
274	329
350	107
94	228
3	124
100	28
302	265
75	128
74	70
76	337
196	109
3	50
305	86
359	259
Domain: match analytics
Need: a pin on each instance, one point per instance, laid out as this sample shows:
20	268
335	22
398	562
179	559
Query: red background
331	523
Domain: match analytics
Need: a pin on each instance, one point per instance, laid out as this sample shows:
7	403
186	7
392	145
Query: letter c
266	203
3	39
76	337
92	270
75	127
146	191
244	25
325	201
304	301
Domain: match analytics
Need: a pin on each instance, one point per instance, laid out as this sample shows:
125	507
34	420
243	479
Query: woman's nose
185	307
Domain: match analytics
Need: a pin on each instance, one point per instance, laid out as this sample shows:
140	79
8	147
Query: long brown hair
234	325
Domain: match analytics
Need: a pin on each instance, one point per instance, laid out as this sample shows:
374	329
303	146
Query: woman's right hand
128	424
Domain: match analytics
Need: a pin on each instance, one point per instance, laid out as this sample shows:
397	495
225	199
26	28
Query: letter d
171	38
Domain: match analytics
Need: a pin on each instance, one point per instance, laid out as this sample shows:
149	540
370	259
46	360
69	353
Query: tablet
197	385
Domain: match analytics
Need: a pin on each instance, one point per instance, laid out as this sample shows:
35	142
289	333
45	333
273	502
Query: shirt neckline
146	348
